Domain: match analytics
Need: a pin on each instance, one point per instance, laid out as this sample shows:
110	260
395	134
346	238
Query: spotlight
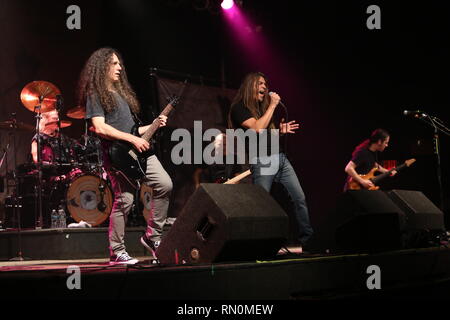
227	4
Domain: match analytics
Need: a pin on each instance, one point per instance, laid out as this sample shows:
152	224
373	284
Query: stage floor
402	274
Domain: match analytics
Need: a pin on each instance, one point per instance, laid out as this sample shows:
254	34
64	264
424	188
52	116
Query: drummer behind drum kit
74	177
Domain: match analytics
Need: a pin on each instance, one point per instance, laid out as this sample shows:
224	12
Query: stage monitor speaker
420	212
369	221
221	222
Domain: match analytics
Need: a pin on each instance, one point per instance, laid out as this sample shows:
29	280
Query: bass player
365	158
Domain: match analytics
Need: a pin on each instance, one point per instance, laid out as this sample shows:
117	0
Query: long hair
247	94
93	81
377	134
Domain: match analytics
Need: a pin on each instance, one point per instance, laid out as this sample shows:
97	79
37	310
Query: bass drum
89	198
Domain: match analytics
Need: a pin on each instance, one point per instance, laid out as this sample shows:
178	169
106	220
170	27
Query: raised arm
264	121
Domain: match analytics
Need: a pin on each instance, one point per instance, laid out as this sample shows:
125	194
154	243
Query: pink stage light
227	4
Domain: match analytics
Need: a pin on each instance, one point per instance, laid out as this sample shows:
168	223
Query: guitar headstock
410	162
173	100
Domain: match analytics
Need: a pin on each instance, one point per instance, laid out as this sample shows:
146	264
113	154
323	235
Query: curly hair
93	81
247	93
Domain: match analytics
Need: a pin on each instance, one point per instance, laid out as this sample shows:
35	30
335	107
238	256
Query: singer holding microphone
253	109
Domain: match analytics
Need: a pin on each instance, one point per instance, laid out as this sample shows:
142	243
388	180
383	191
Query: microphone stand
437	126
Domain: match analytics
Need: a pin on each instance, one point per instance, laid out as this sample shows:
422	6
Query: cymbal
11	125
77	113
64	123
35	91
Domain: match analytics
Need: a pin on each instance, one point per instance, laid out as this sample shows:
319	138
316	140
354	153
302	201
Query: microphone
415	113
281	103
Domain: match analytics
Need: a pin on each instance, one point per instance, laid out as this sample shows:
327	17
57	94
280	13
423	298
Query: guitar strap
137	122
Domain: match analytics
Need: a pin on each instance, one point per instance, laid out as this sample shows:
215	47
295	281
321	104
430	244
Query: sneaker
150	245
289	250
122	258
170	221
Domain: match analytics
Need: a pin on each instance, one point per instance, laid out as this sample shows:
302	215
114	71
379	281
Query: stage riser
62	244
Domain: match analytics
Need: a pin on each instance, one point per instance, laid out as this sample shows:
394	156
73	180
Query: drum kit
68	173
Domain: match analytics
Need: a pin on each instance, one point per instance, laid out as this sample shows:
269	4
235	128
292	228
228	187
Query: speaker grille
420	212
225	223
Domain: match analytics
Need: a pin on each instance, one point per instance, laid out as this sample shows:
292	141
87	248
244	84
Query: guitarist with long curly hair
111	105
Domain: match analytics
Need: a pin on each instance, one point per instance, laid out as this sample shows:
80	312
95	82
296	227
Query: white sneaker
122	258
170	221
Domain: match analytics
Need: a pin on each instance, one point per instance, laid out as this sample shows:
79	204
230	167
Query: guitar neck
238	177
380	177
155	125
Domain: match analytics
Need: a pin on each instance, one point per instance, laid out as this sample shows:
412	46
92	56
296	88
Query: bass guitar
124	157
352	184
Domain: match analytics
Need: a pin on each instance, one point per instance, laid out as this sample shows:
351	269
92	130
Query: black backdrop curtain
198	102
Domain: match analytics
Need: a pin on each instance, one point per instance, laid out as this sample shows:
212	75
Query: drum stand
16	204
39	96
58	107
99	170
37	110
85	135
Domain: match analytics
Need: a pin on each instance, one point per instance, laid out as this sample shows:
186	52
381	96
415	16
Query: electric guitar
126	158
354	185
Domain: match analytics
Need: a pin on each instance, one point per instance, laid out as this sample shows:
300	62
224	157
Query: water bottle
54	219
61	217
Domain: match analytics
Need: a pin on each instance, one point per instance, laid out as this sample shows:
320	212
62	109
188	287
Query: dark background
339	79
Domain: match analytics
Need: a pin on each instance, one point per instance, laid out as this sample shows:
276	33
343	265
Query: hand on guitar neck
159	122
141	144
132	159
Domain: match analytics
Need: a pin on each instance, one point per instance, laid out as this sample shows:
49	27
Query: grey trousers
158	179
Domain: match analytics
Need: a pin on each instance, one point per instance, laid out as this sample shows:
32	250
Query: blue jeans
284	173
